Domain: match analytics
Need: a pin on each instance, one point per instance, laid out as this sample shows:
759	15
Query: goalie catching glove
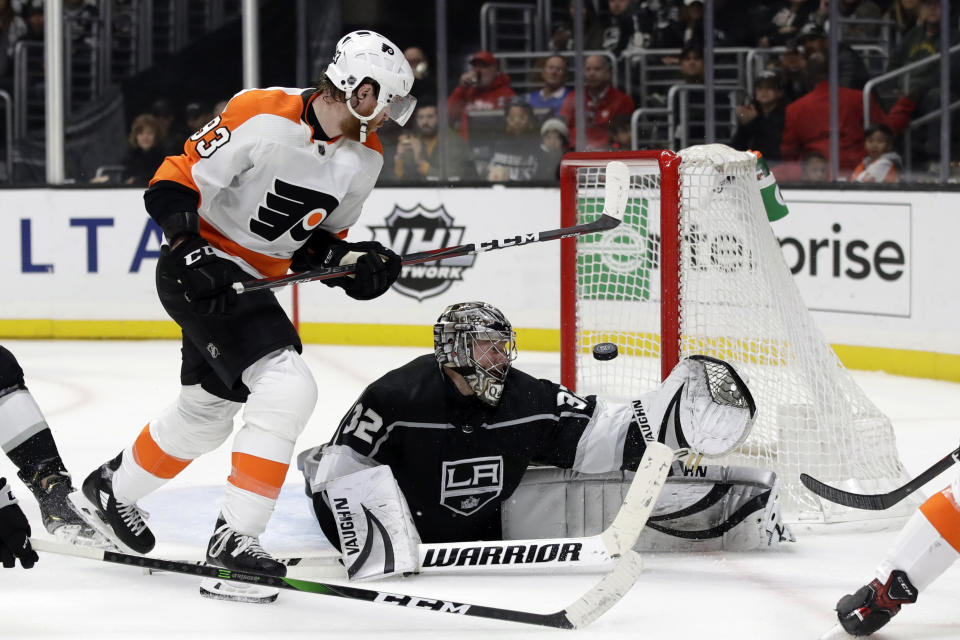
703	406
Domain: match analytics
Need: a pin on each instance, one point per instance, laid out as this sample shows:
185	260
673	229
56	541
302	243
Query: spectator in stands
562	37
426	84
905	15
815	168
554	88
852	72
694	118
688	29
143	151
787	19
882	163
919	43
417	153
613	30
32	12
12	27
621	135
851	10
171	138
80	18
481	88
601	103
554	142
793	73
418	62
760	121
196	115
807	123
516	154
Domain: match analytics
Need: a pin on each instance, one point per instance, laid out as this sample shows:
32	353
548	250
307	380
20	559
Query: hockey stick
619	538
616	189
554	555
879	501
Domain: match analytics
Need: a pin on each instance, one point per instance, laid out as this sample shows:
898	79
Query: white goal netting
738	302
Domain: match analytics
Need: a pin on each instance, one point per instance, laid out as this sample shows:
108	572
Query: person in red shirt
807	125
603	102
481	88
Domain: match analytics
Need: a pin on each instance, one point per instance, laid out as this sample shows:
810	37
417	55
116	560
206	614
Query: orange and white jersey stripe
265	181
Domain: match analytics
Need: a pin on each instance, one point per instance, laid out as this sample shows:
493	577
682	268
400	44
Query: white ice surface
98	395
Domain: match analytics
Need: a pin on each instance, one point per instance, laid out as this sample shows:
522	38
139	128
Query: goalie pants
252	356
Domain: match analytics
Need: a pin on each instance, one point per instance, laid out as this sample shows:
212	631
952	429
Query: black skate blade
218	589
88	511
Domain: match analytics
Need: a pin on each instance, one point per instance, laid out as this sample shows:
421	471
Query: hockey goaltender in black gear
432	451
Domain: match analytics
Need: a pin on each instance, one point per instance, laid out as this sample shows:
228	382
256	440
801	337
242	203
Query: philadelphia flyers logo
290	207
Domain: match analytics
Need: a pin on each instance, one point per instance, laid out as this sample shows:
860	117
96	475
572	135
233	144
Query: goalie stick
548	555
618	538
879	501
616	190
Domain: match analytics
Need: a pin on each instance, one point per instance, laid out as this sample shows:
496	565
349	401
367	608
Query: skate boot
233	550
874	604
122	523
60	518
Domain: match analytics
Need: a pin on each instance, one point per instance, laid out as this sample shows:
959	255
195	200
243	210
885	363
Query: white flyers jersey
266	177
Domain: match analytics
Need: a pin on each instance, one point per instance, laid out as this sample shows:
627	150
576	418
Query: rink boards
875	267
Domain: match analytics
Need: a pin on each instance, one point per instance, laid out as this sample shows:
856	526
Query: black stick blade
876	502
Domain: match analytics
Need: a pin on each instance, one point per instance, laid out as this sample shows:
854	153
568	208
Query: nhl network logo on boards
420	229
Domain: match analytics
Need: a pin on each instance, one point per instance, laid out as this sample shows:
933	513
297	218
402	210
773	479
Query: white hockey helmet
462	337
366	54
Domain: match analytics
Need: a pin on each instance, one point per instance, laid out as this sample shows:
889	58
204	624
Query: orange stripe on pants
257	475
148	454
943	512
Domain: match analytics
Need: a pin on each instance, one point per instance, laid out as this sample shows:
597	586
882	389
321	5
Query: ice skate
234	551
60	518
123	524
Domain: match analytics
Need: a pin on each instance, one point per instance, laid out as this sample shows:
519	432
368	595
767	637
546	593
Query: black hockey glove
873	605
14	532
377	269
205	278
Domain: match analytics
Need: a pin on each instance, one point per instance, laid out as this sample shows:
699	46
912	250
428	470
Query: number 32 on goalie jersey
207	147
363	424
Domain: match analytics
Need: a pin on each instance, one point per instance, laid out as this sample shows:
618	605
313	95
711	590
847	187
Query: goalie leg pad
703	406
377	535
721	508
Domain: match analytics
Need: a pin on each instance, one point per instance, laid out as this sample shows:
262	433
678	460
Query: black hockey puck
605	351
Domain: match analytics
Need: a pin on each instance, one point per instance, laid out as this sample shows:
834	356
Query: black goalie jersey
456	459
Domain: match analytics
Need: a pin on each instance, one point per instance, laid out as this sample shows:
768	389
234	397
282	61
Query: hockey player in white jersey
436	450
926	547
274	182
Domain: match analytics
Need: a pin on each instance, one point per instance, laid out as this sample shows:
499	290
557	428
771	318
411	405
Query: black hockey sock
38	459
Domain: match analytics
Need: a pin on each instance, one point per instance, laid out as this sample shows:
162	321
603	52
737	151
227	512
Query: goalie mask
366	55
476	340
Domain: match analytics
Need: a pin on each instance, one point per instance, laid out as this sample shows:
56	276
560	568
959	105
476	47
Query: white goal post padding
724	291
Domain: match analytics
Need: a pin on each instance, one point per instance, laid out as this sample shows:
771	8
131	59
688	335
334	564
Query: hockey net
724	291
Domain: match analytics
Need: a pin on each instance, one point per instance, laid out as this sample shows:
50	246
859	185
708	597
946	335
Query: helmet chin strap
363	119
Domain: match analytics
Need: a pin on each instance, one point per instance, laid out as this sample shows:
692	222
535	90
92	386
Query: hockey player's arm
590	435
